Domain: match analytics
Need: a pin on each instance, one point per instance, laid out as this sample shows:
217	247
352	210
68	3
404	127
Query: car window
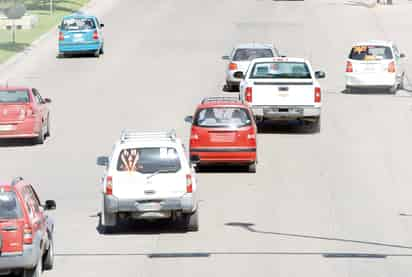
28	202
370	53
280	70
73	24
222	117
14	96
34	198
149	160
9	205
246	54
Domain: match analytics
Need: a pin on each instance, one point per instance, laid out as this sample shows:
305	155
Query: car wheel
191	221
348	90
402	82
315	125
48	259
102	50
40	138
48	127
33	272
97	53
108	221
252	167
393	89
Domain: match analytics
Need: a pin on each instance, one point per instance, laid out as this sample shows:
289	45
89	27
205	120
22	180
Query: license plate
6	128
149	207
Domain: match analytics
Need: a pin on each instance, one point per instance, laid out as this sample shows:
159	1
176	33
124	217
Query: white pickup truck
283	88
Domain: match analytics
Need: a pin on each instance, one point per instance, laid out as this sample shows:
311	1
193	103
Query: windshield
9	206
250	54
370	53
222	117
149	160
78	24
280	70
14	96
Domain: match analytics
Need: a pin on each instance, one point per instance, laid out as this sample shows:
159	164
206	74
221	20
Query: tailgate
370	67
80	36
283	93
12	113
11	232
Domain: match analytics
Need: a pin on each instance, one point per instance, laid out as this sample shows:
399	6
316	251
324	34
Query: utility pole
51	7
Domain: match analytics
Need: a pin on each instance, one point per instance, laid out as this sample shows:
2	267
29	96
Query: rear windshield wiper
157	172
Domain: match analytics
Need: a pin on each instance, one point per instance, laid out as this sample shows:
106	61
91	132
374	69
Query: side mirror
239	74
225	58
402	55
47	100
320	75
189	119
194	159
102	161
49	205
101	25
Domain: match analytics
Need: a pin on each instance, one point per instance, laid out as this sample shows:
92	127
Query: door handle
9	228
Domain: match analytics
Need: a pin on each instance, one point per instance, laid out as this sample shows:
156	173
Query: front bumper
286	112
232	155
185	204
79	47
26	259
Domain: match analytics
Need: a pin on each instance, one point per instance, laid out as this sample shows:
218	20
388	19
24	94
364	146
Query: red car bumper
232	155
24	129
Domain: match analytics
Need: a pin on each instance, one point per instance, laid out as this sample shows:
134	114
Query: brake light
391	67
27	234
251	138
232	66
317	95
109	185
349	67
189	184
248	94
61	36
95	35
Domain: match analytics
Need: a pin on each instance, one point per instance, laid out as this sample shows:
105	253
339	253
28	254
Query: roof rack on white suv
128	135
220	99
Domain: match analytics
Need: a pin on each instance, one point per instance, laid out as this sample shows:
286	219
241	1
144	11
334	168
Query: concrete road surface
324	204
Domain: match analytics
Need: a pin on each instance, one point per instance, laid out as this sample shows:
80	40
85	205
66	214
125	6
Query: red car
26	232
24	114
223	132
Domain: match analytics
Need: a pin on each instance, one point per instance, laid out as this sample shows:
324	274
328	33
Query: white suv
148	177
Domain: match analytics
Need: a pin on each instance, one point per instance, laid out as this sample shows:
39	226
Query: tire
252	167
102	50
315	125
393	89
108	221
348	90
191	221
229	87
402	82
48	259
97	53
34	272
40	138
48	127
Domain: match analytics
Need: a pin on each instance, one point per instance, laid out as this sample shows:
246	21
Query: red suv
26	232
24	114
223	132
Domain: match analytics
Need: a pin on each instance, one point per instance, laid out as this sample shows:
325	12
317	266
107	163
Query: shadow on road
287	127
229	168
16	142
250	227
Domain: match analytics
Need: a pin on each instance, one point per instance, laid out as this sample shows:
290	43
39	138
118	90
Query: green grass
46	22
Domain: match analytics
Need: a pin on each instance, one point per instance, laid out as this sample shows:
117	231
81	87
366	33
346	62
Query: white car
283	88
148	177
239	60
375	64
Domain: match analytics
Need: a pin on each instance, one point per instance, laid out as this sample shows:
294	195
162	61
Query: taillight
349	67
251	137
95	35
232	66
391	67
317	95
248	94
109	185
61	36
189	184
27	234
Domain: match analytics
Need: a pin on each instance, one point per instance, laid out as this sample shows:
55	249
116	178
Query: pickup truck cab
148	177
283	88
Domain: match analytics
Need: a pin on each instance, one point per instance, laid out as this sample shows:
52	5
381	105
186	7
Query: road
314	198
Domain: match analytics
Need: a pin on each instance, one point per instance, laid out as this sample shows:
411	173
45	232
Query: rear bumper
286	112
233	155
80	47
24	129
185	204
12	261
370	80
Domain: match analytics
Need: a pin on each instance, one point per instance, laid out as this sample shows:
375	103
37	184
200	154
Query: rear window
280	70
222	117
73	24
250	54
14	96
9	205
370	53
149	160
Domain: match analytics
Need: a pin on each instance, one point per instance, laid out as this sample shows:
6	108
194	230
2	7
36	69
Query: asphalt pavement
336	203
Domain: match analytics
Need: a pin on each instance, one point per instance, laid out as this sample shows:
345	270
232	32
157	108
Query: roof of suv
148	139
374	42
